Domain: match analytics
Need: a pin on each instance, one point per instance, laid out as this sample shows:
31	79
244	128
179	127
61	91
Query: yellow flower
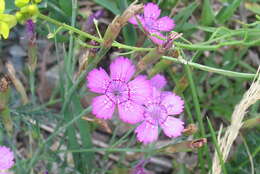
2	6
37	1
6	21
21	3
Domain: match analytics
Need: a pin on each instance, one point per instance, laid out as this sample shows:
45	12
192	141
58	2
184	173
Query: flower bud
21	3
24	9
19	16
190	129
32	9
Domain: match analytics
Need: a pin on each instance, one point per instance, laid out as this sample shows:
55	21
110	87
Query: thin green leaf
253	7
215	142
182	17
228	11
66	6
110	5
207	15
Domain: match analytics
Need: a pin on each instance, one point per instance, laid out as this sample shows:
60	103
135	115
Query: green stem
68	27
54	134
198	116
106	150
211	69
32	85
215	142
200	46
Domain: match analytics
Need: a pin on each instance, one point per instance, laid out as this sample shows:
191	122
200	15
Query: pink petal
155	96
158	81
130	112
103	107
133	20
164	24
165	94
173	103
6	158
151	11
140	89
98	80
172	127
147	132
157	40
122	68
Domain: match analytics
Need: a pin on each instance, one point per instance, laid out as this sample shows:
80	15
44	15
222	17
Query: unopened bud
184	146
32	9
190	129
90	21
198	143
19	16
173	36
4	83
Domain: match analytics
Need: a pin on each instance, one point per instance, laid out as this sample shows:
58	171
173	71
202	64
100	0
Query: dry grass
225	142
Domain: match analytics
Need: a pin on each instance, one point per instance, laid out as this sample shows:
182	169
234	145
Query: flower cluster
28	10
7	158
137	100
6	21
118	90
158	108
152	24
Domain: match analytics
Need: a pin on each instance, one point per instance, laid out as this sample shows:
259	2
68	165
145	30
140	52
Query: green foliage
182	19
212	59
207	15
227	11
66	6
111	5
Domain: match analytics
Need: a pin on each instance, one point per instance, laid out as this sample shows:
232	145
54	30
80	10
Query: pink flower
157	113
118	91
152	23
6	158
139	168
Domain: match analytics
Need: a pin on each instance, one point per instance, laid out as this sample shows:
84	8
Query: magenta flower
152	23
139	168
30	28
157	113
118	91
6	158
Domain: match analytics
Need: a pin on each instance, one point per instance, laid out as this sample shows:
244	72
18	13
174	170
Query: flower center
150	25
118	91
155	113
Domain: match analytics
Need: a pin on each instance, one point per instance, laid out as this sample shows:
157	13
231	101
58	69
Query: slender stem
200	46
32	85
68	27
107	150
211	69
181	45
198	116
215	142
54	134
